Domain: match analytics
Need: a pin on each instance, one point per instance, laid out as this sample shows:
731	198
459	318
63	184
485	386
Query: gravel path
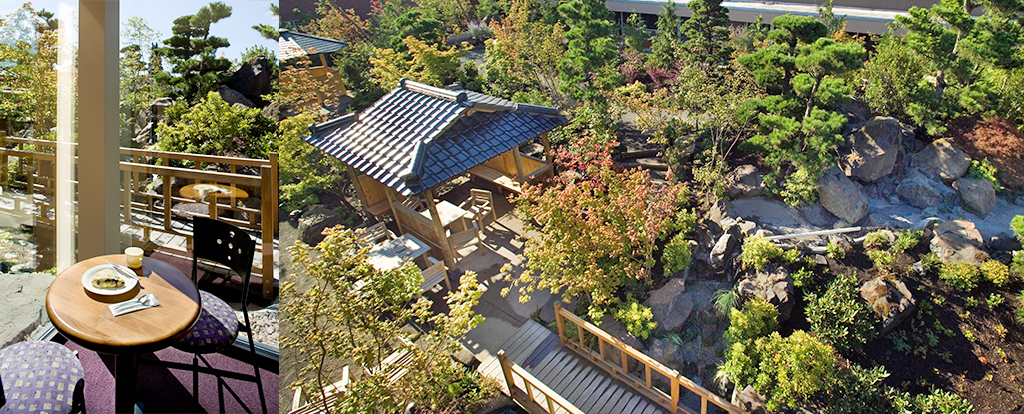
264	325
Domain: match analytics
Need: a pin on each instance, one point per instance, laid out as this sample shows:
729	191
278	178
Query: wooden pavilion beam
354	177
547	147
446	244
391	205
519	164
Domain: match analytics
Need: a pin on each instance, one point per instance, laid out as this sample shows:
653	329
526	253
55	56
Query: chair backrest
481	196
414	203
374	234
223	243
433	274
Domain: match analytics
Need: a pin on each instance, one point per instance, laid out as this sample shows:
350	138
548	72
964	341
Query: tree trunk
810	99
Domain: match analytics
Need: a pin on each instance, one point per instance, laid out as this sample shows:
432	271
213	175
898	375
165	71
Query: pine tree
707	31
587	67
666	43
192	53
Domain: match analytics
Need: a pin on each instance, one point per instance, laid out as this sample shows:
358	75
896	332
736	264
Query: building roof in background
418	136
360	7
295	44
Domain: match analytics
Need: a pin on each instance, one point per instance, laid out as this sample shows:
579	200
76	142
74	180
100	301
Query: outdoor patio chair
480	205
375	234
434	275
315	404
414	203
38	374
466	238
218	326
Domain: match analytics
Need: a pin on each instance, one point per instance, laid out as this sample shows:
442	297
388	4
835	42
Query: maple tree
423	63
28	79
596	227
348	309
524	54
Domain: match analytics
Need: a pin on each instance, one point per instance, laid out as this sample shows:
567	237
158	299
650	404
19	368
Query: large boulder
944	159
663	351
744	182
976	194
670	305
873	148
723	249
749	400
958	241
24	300
314	221
773	285
233	97
841	196
252	79
921	190
891	301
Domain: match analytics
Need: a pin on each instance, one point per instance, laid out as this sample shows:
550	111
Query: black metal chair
218	326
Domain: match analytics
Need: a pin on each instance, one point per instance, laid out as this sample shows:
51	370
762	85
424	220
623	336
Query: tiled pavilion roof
295	44
418	136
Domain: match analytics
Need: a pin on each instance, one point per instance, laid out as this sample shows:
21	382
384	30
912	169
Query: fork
141	300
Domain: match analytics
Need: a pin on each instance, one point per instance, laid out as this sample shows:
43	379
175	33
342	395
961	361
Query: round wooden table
85	318
190	191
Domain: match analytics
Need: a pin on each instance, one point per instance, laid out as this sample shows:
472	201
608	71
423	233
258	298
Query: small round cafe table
227	191
85	318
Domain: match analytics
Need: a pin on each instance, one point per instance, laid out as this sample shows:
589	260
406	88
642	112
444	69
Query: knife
123	272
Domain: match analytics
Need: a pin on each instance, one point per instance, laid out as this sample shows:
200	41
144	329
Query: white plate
87	277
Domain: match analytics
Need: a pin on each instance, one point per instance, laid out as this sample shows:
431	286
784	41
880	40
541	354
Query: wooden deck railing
35	172
532	389
619	369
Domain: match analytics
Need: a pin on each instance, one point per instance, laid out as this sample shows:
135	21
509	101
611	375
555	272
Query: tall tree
138	83
588	65
636	37
707	32
192	53
666	43
524	53
338	23
28	48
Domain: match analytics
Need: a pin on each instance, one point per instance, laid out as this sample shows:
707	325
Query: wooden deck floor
586	386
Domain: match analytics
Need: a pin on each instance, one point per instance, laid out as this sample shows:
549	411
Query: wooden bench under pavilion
418	137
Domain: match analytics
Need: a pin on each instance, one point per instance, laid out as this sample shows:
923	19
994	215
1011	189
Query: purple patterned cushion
38	377
216	329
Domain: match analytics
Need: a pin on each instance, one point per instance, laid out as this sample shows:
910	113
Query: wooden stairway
586	386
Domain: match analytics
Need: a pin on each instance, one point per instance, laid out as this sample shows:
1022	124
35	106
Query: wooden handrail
668	401
527	398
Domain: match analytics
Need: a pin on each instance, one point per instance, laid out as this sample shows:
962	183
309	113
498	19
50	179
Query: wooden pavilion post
391	205
547	147
519	164
354	177
446	245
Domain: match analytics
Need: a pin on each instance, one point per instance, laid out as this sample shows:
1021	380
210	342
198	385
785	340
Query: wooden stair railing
620	369
527	396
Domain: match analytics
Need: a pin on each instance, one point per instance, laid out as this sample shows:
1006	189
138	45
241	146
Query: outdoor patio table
84	318
392	253
190	191
449	214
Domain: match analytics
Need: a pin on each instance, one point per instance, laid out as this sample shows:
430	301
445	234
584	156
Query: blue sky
160	15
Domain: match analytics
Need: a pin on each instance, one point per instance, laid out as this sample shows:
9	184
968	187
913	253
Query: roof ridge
458	97
333	123
537	109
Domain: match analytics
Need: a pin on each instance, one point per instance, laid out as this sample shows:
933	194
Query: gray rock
856	111
720	210
841	196
272	111
891	301
23	305
232	97
663	351
976	194
920	190
816	215
925	224
744	182
723	249
252	79
750	401
746	227
1004	242
774	285
958	241
944	159
670	306
873	148
314	221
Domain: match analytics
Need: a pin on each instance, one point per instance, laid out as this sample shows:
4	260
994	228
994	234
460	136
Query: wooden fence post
267	230
560	321
506	370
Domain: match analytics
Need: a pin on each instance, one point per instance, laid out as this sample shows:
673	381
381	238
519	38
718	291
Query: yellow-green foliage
756	319
835	250
878	240
676	257
637	317
995	272
960	275
759	251
786	370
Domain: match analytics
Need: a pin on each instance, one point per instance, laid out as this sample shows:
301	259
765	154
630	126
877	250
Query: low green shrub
758	252
835	250
785	370
637	317
676	256
995	272
878	240
1017	225
930	261
725	300
960	275
984	170
906	240
994	300
839	317
757	318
